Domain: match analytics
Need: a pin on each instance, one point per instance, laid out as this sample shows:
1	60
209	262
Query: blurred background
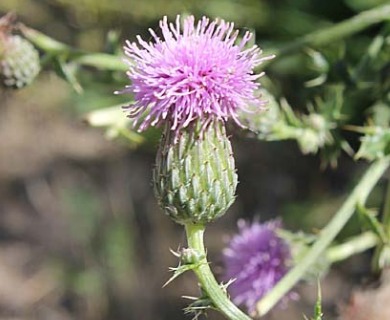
81	235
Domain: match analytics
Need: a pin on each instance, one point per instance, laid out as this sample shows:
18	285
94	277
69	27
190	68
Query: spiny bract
195	178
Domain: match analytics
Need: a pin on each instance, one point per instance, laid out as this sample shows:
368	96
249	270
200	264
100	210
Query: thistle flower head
256	259
196	70
19	60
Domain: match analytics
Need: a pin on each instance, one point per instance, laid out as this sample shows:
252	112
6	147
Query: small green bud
265	122
317	122
195	178
309	140
314	134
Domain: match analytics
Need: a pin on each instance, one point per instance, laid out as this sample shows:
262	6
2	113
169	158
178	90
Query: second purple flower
256	259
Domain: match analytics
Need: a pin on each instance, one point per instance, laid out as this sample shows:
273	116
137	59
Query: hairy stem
206	278
358	196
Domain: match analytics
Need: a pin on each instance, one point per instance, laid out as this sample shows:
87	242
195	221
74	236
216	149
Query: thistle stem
355	245
358	196
336	32
206	278
52	47
376	261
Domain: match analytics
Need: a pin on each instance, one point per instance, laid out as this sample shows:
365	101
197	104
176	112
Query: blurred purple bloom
196	71
257	258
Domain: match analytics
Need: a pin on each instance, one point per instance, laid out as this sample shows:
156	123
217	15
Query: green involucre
195	178
19	62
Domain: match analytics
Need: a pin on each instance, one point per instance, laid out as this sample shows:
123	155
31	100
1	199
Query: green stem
386	210
358	195
206	278
53	47
355	245
376	261
336	32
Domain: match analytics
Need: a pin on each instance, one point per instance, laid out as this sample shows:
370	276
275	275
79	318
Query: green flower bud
19	61
195	178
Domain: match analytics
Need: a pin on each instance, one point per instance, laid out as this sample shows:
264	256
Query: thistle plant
193	80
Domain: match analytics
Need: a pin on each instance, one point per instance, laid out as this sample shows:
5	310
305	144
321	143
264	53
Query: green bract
195	178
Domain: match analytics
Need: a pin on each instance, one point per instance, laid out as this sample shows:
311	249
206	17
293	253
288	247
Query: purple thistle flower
196	71
256	259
